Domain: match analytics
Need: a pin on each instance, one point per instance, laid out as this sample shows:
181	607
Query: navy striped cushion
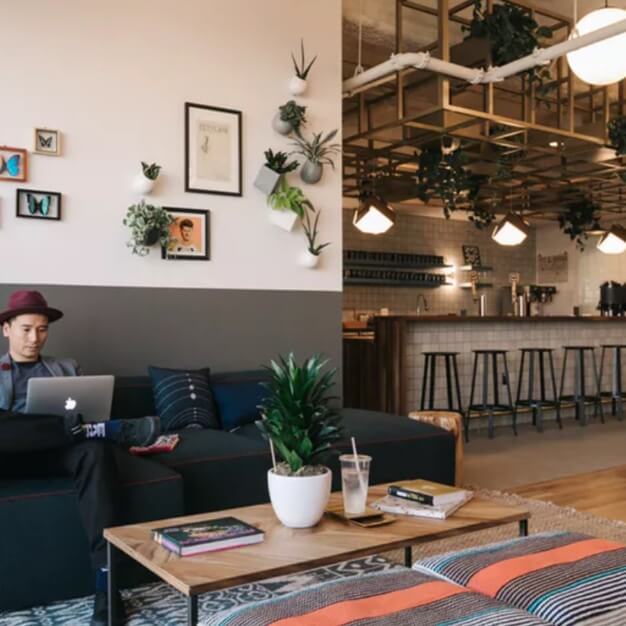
183	398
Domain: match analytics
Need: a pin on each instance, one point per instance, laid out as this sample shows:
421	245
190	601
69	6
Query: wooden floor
601	493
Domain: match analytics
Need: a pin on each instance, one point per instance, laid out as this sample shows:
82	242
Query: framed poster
45	205
13	163
212	150
189	235
553	268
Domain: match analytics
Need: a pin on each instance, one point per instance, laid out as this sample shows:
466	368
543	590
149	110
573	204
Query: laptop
91	396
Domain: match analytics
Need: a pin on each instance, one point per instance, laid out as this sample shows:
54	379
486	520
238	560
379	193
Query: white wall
113	76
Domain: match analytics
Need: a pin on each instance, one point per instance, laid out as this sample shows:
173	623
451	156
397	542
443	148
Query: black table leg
192	610
408	557
112	595
523	528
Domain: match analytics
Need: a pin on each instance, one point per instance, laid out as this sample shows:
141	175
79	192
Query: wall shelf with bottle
478	285
360	258
392	278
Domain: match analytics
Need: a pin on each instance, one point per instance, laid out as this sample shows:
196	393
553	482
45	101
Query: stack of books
423	498
207	536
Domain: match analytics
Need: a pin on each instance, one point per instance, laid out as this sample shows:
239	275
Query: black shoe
141	431
100	615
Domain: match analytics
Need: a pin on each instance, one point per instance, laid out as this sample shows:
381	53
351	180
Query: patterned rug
158	604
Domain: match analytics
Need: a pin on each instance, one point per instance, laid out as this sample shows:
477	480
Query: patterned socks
103	430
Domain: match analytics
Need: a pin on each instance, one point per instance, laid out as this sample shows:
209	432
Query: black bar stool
452	378
580	395
616	394
485	406
537	403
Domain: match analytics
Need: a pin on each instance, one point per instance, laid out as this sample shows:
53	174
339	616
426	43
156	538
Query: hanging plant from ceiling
440	174
512	34
580	217
617	134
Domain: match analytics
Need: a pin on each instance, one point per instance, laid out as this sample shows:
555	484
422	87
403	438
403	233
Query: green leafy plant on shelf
302	69
294	114
579	217
319	150
512	33
148	225
297	415
617	134
278	162
150	171
311	232
289	198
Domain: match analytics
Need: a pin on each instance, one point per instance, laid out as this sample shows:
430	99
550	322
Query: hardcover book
207	536
401	506
428	493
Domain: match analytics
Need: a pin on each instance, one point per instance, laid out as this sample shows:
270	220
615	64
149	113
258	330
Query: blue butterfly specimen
34	205
12	166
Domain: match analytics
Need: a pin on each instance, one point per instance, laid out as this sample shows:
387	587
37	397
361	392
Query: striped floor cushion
397	598
563	578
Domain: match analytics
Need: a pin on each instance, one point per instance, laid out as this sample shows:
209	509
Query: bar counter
391	360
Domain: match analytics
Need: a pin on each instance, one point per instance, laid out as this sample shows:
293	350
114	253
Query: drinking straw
358	468
273	454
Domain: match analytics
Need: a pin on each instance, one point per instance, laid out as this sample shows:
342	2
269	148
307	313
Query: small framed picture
13	163
47	141
44	205
212	150
189	235
471	255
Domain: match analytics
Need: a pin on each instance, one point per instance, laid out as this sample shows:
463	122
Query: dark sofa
43	549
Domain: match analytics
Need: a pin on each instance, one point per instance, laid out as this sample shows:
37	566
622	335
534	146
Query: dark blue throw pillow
183	398
237	402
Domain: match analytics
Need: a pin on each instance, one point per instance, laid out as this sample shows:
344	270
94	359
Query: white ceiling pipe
423	61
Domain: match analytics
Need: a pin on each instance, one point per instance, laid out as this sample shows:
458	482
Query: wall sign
552	268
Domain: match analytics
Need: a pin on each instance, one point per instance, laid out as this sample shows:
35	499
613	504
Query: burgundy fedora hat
23	301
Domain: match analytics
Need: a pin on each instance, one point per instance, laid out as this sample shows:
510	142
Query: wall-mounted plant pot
283	219
142	184
280	126
297	86
267	180
311	173
308	260
152	236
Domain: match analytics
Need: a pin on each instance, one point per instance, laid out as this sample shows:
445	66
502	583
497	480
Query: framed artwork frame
13	164
190	235
47	141
38	204
471	255
212	150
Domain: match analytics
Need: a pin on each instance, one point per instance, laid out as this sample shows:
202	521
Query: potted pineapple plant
311	256
317	152
302	426
289	118
144	181
288	203
298	83
275	166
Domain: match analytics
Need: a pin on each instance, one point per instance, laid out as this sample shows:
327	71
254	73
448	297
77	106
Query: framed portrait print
44	205
212	150
13	164
189	235
47	141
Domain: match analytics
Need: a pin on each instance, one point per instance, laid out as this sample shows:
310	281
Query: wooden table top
286	550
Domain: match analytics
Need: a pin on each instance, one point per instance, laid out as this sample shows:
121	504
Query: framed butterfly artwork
13	163
44	205
47	141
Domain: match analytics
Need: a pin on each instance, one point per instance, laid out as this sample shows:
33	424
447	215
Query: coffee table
288	550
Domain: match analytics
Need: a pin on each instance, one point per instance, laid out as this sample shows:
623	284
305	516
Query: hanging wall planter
290	117
311	172
298	84
288	205
148	225
283	219
318	152
281	126
144	182
267	180
271	171
308	259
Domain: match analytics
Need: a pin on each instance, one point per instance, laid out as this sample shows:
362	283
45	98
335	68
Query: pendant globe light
603	62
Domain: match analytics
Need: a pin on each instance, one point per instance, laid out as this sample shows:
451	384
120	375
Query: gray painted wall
121	330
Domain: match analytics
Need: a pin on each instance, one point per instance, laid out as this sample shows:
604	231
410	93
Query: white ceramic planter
308	260
299	501
280	126
142	184
283	219
297	86
267	180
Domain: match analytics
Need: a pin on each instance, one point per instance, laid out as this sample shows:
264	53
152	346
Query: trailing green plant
302	70
617	134
512	34
293	113
311	232
289	198
147	221
297	415
278	162
481	217
443	176
151	170
579	217
319	149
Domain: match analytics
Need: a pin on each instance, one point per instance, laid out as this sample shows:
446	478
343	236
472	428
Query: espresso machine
612	299
524	300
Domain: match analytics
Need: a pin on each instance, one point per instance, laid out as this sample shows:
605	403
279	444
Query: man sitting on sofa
49	445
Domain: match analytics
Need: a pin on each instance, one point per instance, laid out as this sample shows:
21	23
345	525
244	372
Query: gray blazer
56	367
